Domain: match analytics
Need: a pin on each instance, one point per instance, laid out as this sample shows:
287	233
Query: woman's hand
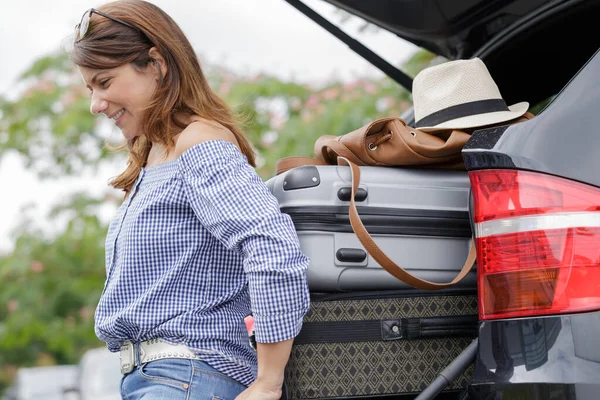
272	358
260	391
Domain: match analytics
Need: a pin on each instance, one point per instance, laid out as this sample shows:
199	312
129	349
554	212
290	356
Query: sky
248	36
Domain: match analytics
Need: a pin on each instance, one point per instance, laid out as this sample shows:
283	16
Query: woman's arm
235	205
272	358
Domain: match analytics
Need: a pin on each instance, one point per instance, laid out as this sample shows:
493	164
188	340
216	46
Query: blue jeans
178	379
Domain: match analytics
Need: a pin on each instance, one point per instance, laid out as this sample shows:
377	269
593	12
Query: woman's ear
159	62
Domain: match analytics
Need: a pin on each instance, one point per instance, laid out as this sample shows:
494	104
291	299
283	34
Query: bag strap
287	163
339	149
383	260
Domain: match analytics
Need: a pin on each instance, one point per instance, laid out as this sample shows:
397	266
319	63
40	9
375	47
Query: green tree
49	287
49	124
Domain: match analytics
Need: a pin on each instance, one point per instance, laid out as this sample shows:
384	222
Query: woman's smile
121	93
118	116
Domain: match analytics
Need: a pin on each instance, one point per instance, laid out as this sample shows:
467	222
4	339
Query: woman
199	242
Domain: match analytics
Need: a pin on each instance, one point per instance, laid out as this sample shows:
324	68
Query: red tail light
538	244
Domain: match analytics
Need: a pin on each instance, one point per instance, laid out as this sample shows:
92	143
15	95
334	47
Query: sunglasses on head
82	27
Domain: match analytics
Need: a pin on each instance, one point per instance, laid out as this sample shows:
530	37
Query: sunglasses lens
82	28
84	25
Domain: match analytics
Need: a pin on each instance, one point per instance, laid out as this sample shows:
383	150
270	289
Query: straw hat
460	94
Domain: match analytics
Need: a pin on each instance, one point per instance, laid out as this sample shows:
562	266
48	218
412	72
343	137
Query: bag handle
339	149
285	164
383	260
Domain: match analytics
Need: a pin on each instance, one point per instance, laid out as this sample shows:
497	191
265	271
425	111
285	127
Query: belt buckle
127	357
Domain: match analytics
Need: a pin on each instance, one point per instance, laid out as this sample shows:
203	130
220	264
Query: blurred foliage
50	123
286	119
49	286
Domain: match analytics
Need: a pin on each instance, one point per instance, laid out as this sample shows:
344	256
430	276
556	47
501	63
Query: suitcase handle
345	193
351	255
371	247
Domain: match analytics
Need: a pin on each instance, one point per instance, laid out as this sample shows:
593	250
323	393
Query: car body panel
534	391
566	130
539	356
555	356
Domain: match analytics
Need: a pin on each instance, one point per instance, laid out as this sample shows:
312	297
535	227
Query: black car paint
539	358
556	357
451	28
563	140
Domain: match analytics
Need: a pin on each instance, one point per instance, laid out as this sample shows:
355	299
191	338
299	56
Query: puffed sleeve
235	205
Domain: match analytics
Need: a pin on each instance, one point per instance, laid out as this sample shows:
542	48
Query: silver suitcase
418	217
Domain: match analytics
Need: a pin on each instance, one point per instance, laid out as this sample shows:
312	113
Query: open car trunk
501	33
367	336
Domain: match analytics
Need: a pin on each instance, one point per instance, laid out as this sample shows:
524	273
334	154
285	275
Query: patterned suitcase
380	343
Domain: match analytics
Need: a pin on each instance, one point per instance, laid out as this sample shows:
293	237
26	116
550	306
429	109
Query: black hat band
462	110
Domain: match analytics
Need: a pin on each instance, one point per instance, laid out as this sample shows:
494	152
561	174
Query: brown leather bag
386	142
390	142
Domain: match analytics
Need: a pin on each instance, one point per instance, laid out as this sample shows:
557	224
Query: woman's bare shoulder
202	130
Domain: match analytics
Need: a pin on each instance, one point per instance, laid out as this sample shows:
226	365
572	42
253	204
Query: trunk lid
453	29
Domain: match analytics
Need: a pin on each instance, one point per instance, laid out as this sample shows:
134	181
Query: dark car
535	196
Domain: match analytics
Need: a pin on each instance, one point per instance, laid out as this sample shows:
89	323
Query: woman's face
122	94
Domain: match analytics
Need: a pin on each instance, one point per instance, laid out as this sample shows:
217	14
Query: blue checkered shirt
199	244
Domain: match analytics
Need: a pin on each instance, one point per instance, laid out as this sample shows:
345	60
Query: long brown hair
184	91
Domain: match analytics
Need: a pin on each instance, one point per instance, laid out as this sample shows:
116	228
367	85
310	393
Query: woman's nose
98	104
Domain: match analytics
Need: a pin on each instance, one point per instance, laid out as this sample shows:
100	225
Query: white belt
135	354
